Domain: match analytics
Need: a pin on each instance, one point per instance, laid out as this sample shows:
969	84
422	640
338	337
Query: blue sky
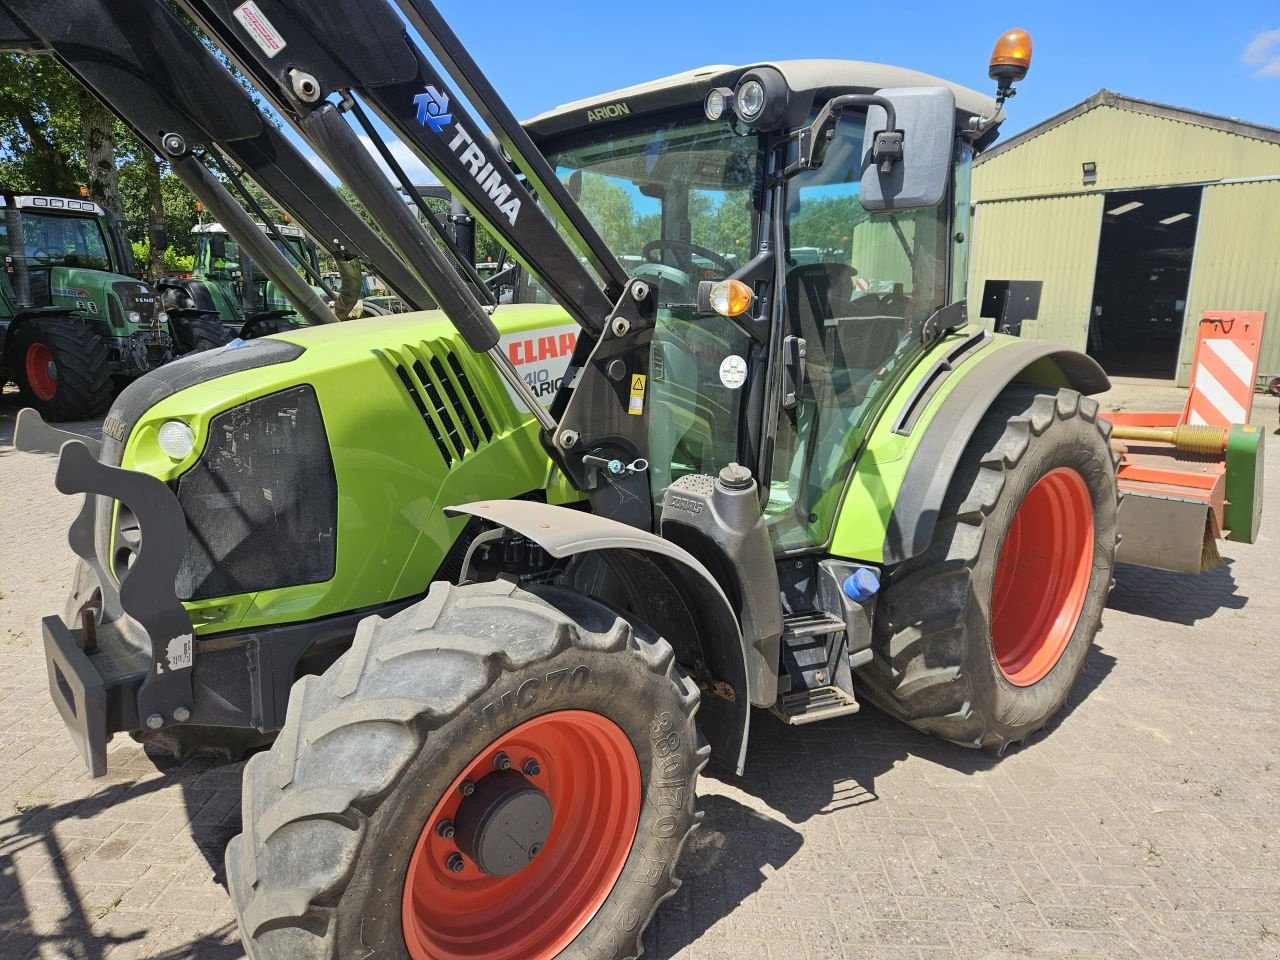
1220	57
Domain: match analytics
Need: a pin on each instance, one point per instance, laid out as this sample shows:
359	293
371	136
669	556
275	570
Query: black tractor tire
79	386
333	812
935	663
265	326
194	334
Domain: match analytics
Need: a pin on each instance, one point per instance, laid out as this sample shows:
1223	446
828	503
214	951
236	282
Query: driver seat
817	293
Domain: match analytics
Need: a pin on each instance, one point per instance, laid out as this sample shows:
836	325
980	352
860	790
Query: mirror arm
814	139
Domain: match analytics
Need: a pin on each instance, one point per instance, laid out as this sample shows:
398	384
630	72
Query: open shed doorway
1140	287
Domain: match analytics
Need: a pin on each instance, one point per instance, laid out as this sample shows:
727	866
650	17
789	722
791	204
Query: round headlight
134	316
176	439
717	103
162	317
750	99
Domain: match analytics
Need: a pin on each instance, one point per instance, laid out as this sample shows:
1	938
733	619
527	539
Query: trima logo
433	112
433	109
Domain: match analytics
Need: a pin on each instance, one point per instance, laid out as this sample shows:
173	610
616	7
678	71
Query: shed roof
1108	98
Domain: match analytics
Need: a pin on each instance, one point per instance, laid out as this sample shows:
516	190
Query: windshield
860	286
56	241
673	199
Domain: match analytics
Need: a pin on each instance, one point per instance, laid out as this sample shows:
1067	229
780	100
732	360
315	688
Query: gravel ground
1143	823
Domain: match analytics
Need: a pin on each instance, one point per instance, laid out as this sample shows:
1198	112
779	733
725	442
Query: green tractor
227	287
496	582
73	317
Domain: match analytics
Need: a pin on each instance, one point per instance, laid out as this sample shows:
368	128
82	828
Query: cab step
810	706
811	623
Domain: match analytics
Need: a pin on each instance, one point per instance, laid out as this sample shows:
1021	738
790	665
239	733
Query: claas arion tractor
496	582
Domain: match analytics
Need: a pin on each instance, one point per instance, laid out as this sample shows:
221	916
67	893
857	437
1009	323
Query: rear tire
266	326
344	810
1036	486
195	334
62	369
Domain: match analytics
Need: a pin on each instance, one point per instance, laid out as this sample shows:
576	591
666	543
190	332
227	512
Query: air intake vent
442	391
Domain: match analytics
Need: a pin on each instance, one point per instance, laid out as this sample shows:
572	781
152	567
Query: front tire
353	820
62	368
981	638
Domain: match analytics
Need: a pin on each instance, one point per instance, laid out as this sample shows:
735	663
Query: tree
39	127
98	130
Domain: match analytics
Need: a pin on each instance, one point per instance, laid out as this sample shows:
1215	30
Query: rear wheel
195	334
265	326
981	638
493	774
62	369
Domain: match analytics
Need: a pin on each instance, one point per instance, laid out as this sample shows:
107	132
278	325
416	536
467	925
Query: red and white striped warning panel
1224	368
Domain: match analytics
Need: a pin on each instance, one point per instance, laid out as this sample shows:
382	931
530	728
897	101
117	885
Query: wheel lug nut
531	768
502	762
455	863
535	850
445	829
466	788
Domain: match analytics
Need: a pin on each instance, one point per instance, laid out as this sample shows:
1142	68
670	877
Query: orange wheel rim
40	371
587	769
1042	577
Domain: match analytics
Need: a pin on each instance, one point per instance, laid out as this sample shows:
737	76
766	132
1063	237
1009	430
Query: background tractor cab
72	313
227	284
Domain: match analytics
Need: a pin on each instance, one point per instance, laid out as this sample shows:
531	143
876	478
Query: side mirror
159	238
926	118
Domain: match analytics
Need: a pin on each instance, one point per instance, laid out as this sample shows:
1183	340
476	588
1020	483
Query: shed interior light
1175	218
1125	207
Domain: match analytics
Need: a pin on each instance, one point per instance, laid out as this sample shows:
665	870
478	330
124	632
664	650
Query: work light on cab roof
1010	61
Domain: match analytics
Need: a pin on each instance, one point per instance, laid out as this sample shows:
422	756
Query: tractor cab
236	286
713	175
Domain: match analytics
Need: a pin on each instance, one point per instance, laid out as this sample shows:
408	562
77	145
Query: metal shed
1114	225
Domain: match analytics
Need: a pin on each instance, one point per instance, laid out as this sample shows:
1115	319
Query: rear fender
947	433
669	590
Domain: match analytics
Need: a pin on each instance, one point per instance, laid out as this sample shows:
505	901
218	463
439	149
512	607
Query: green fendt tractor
496	582
72	315
226	287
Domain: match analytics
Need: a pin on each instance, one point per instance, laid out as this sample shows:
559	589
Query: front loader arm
301	52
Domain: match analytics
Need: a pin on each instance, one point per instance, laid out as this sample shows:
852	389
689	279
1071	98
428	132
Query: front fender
669	590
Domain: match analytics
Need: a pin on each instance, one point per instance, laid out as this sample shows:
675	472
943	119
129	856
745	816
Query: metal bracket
146	589
607	416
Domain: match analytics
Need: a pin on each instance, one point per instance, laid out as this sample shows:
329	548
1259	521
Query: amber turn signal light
731	298
1011	58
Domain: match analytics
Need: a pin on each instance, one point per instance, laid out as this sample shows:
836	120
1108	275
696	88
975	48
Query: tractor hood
313	467
100	295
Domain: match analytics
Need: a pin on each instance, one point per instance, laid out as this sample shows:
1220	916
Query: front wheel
981	638
62	368
495	773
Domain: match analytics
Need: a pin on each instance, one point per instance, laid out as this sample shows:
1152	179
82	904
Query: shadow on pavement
802	773
1184	598
28	836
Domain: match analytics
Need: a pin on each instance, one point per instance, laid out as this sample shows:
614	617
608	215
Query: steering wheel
648	249
47	253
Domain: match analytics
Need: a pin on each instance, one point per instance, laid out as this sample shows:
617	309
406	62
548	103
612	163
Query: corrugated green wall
1035	218
1237	263
1132	151
1054	240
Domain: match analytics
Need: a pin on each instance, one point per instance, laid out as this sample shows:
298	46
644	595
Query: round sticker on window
733	371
